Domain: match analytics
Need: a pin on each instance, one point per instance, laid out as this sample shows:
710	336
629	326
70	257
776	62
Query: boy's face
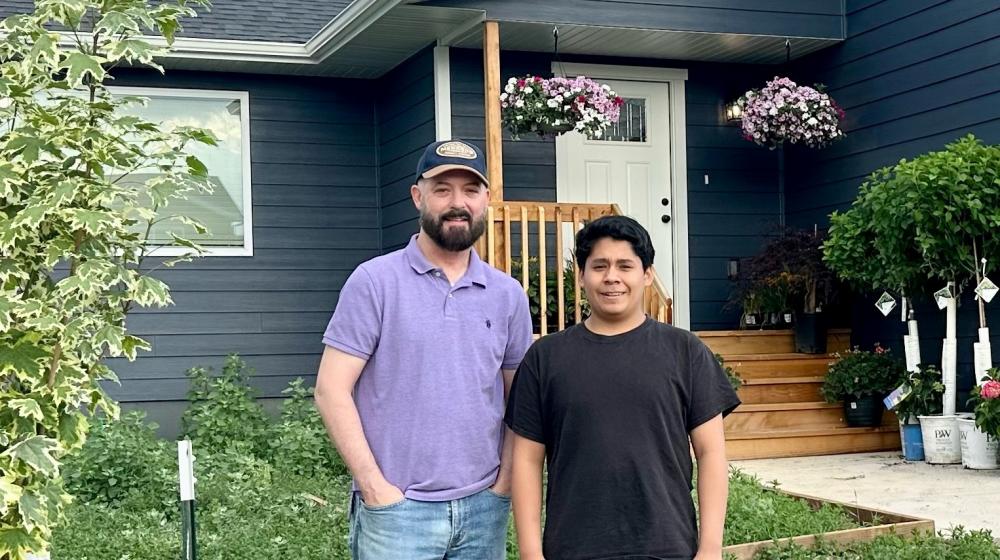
614	280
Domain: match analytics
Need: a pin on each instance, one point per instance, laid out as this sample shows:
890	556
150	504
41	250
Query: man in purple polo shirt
420	354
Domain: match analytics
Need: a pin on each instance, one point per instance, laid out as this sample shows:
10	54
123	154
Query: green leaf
22	359
10	493
27	408
150	291
196	167
16	543
133	50
36	452
73	428
115	22
79	65
33	512
133	343
112	336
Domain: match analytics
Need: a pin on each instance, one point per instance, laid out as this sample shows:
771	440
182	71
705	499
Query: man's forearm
343	424
713	491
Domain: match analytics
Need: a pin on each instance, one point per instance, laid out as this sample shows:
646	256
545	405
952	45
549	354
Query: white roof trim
331	38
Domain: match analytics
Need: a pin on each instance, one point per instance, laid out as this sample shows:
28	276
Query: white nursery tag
987	290
942	296
886	304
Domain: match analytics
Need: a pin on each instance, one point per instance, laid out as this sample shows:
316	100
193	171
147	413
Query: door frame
675	78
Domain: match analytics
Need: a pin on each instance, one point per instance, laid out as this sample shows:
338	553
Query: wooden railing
547	225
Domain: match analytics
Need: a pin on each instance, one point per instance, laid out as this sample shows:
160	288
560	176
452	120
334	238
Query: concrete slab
948	494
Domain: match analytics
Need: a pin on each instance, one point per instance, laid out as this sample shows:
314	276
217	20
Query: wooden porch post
494	137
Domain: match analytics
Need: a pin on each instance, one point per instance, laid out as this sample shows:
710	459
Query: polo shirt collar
476	273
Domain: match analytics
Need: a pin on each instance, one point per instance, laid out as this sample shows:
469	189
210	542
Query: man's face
452	208
614	280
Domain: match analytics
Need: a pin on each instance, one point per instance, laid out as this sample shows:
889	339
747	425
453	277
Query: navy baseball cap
452	154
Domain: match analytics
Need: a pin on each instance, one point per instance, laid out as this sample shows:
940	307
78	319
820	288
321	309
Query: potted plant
790	283
549	106
924	399
551	294
861	379
981	434
734	378
783	111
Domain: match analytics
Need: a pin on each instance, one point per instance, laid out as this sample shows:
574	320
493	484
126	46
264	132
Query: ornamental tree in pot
861	379
72	235
981	434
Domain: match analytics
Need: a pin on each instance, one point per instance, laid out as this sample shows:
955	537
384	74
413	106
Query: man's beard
456	238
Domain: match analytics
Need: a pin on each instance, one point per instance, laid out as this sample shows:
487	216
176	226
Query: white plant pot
979	450
942	442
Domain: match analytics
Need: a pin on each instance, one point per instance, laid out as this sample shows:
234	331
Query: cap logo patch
456	149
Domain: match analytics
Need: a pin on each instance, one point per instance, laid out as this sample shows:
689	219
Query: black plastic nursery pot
864	412
810	333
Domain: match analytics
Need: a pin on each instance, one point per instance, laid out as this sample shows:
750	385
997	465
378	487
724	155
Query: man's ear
417	195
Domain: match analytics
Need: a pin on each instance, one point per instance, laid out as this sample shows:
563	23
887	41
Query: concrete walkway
948	494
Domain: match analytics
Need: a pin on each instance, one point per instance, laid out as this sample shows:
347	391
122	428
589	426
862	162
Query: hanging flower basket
784	111
552	106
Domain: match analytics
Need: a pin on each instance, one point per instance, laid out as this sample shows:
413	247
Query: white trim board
442	93
675	78
244	97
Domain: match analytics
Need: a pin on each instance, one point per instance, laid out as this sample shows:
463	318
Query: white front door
629	166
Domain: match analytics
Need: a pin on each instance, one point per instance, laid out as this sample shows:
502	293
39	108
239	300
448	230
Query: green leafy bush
926	394
956	544
224	411
858	373
734	378
300	444
121	458
551	294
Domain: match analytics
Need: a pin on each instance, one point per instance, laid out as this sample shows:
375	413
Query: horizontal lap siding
405	123
912	77
727	218
316	217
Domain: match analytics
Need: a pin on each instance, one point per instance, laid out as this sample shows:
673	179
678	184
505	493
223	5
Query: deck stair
783	414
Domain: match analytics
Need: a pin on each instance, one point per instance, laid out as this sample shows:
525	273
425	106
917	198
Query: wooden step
800	443
751	366
774	390
791	416
766	342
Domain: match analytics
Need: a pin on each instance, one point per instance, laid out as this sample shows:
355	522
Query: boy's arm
334	394
709	442
529	457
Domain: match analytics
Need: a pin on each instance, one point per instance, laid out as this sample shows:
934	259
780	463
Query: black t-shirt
614	413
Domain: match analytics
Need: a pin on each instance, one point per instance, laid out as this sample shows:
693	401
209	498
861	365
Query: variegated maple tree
73	231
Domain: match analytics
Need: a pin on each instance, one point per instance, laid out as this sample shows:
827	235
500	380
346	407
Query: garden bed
872	523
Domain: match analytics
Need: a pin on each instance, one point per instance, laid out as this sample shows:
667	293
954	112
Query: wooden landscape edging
889	523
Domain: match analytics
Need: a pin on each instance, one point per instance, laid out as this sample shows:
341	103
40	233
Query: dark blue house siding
912	76
792	18
728	218
404	112
315	217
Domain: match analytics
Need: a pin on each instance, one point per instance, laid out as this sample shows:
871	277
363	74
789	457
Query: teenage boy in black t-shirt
612	404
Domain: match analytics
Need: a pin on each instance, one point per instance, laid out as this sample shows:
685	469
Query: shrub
300	443
121	458
224	412
859	373
926	392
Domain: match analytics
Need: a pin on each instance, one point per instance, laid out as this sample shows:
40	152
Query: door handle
665	219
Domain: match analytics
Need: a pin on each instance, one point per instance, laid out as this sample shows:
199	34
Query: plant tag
751	320
987	290
897	396
982	359
942	296
886	303
854	405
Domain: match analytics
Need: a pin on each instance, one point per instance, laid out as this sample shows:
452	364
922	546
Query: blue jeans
471	528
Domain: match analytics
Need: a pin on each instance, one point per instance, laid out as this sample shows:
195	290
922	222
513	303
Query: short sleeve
709	389
357	322
518	333
524	405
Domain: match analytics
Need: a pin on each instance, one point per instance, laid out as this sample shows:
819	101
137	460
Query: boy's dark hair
621	228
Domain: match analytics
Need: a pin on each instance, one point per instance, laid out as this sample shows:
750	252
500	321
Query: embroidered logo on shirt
489	325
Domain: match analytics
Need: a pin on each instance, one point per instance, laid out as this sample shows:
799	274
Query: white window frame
244	98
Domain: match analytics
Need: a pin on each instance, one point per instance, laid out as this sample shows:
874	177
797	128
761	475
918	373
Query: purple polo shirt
431	394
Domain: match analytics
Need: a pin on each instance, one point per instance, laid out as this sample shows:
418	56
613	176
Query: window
631	125
226	212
